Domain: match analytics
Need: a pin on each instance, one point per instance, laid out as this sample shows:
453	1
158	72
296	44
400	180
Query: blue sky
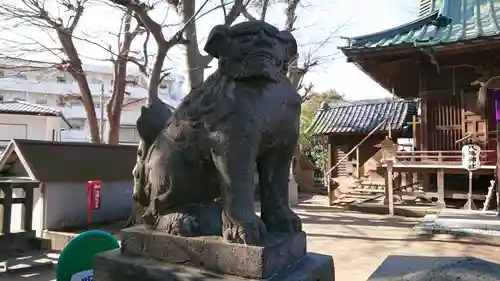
367	16
317	20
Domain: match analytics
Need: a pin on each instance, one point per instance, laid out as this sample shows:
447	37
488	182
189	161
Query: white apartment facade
23	120
37	84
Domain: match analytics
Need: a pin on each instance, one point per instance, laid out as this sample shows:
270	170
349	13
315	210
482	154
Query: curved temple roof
456	21
363	116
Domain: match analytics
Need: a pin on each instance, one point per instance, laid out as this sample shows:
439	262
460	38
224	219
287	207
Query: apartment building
43	85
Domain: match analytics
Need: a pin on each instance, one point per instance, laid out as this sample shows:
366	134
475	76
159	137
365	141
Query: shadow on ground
315	216
424	268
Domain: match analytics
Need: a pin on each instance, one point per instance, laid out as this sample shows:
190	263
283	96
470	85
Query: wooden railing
488	157
7	201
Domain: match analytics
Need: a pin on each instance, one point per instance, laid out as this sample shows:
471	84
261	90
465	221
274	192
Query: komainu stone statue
195	174
196	165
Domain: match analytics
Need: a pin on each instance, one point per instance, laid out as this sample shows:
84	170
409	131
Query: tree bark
194	59
115	104
75	68
155	77
196	63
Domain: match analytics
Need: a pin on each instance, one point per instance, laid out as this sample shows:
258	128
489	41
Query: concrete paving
360	242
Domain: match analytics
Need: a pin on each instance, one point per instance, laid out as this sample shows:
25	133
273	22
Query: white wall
62	205
66	204
29	127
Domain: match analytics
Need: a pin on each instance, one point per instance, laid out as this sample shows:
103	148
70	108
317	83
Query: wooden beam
28	207
390	188
13	201
328	177
440	188
7	209
358	163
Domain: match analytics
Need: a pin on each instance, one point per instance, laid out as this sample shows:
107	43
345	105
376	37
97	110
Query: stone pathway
360	242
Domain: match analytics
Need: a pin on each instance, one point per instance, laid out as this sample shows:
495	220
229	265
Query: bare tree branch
115	104
223	9
247	14
263	13
155	74
33	13
196	62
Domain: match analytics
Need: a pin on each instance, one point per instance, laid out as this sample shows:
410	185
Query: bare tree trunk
115	104
194	60
164	45
196	63
75	68
155	77
295	74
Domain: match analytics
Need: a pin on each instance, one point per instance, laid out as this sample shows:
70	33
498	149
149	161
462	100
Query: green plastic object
76	260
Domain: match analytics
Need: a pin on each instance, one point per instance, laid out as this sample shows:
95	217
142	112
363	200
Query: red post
93	199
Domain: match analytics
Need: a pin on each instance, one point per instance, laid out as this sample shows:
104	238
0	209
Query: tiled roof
457	21
363	116
73	161
22	107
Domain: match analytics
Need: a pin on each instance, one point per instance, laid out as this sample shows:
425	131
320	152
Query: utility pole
101	105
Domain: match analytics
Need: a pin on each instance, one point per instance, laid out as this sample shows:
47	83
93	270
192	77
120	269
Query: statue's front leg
274	170
234	151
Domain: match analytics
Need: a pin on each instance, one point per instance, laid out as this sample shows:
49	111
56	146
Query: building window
165	83
132	81
2	73
19	99
96	81
77	124
1	98
128	134
61	79
41	101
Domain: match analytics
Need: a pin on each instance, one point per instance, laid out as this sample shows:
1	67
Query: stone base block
212	253
114	266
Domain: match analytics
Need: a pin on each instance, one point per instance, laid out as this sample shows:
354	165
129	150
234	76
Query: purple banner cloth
496	98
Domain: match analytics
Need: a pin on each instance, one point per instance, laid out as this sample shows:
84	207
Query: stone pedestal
153	256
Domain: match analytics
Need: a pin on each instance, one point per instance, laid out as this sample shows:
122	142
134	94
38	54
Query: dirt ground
360	242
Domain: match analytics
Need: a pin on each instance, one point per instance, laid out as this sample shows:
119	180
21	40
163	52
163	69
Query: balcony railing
74	135
441	158
53	87
78	112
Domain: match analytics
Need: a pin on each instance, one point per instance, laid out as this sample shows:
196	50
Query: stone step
27	261
115	266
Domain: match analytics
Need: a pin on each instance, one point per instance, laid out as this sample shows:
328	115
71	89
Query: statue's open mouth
260	76
260	67
260	56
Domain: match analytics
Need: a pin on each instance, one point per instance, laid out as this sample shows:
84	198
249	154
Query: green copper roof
456	21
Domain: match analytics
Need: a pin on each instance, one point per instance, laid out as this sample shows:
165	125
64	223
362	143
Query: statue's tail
152	120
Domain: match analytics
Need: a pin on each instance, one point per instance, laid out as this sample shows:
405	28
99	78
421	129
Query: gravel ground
360	242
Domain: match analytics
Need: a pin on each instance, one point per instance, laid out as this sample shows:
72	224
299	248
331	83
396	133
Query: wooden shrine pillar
440	189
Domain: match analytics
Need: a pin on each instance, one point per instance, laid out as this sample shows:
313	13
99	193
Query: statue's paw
150	219
141	198
282	220
248	229
178	224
